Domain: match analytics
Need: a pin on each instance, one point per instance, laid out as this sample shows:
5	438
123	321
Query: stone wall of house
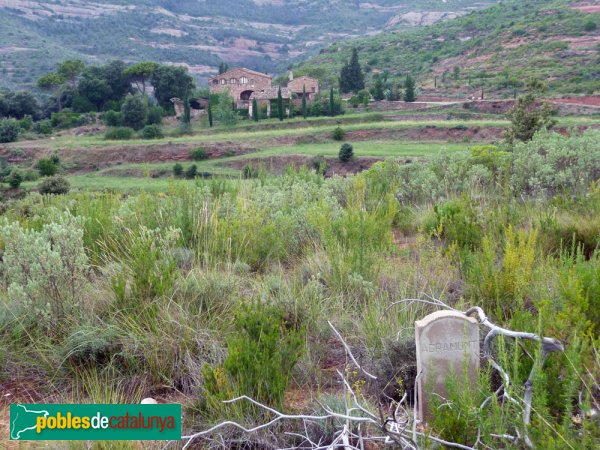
312	86
240	82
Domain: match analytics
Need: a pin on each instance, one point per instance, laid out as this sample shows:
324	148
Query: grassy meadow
198	291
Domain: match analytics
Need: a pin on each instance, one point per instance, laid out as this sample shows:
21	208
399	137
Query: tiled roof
242	69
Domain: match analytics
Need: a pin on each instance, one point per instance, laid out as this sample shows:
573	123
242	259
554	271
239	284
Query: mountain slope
264	35
496	49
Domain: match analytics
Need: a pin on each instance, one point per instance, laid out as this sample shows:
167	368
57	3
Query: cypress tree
304	110
280	104
331	103
210	117
255	110
409	89
344	79
352	79
187	114
378	90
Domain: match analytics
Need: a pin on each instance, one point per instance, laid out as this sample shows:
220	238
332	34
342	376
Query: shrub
262	354
26	123
155	115
249	171
527	117
54	185
68	119
112	118
346	153
134	112
45	271
590	25
490	156
43	127
47	167
89	344
15	178
338	134
457	222
152	132
177	170
319	164
30	175
551	163
119	133
198	154
191	172
9	130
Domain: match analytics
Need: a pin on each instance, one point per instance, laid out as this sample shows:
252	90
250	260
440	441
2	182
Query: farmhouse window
223	81
232	81
243	80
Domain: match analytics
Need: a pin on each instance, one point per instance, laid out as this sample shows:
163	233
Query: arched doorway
245	95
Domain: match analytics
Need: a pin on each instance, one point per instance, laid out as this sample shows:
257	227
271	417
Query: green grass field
109	178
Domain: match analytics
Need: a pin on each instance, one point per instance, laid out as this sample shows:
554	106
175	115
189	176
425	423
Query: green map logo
95	422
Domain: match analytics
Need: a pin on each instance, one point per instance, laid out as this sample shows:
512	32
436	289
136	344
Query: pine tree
304	110
331	103
255	110
210	117
279	104
409	89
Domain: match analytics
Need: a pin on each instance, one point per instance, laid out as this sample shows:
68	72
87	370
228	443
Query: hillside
495	49
264	35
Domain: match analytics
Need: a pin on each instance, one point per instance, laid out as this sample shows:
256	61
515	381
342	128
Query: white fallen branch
373	377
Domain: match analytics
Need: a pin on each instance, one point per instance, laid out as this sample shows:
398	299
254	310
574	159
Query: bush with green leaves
551	163
249	171
191	172
338	134
47	167
178	170
346	153
134	112
319	164
152	132
9	130
26	123
457	222
43	127
55	185
155	115
69	119
198	154
112	118
15	178
261	356
119	133
527	117
590	25
45	271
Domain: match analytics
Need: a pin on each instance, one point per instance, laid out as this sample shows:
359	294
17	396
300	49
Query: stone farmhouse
296	85
241	83
246	85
